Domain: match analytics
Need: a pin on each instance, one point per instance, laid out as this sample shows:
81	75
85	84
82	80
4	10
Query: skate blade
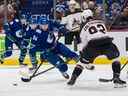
120	85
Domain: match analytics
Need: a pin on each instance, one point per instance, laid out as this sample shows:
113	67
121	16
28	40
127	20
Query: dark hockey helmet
44	22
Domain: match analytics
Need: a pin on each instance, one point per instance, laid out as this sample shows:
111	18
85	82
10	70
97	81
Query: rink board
120	39
100	60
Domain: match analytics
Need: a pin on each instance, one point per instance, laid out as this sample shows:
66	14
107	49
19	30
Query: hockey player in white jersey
94	42
72	20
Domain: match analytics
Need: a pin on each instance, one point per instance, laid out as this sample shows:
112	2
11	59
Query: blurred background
113	12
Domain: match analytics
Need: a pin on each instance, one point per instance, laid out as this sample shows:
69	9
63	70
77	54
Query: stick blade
105	80
25	80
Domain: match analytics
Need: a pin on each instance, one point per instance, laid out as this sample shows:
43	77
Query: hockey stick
27	80
110	80
43	71
35	74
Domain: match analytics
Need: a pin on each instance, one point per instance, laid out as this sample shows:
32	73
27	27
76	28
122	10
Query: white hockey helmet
85	14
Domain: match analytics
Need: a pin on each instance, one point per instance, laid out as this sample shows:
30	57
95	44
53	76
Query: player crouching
45	41
94	42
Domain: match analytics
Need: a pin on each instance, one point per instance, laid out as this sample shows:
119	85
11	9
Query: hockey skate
118	83
72	80
65	75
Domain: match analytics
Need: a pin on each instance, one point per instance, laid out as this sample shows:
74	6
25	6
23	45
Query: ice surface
53	84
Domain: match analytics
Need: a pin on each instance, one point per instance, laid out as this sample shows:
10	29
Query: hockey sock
77	71
116	67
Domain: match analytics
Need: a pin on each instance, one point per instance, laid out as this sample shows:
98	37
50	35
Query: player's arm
61	27
83	37
7	32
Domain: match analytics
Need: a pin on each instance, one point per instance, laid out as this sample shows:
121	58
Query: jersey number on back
97	28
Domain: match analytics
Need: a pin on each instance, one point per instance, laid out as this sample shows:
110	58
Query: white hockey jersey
72	21
92	30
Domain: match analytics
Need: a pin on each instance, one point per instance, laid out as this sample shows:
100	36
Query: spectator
115	8
91	5
99	13
124	16
84	5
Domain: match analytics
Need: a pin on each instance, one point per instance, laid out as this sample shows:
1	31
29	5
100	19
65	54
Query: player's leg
8	47
66	52
113	53
116	67
24	70
33	58
55	59
43	58
23	51
87	56
68	39
77	40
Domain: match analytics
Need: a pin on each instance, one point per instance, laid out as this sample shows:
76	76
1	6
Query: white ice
53	84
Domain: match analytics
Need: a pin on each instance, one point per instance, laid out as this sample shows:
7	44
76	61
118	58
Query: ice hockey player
94	42
72	21
15	34
45	41
63	4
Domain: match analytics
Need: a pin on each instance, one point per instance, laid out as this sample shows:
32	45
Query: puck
15	84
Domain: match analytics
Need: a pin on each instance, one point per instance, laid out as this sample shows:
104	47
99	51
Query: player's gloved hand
63	30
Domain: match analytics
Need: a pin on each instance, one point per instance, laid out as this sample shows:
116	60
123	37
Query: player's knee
114	56
74	57
24	51
62	67
116	66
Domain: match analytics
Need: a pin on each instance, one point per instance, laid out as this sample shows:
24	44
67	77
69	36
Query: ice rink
53	84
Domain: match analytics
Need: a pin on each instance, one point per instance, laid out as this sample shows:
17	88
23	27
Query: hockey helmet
43	20
85	14
60	9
